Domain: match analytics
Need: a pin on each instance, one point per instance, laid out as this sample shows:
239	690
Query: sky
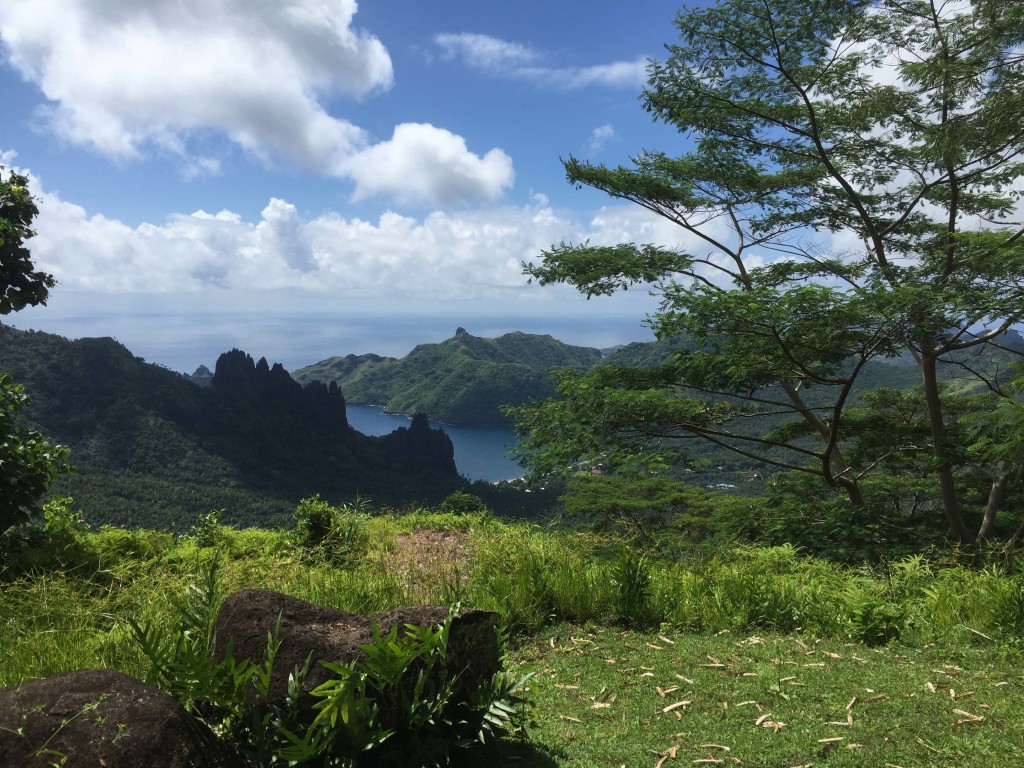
306	178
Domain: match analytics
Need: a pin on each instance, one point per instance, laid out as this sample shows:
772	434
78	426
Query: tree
20	284
868	153
997	441
28	461
635	507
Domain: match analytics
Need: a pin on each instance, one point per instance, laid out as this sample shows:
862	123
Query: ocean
183	341
479	451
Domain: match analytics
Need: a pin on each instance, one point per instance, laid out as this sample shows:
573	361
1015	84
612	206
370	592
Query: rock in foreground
327	634
100	717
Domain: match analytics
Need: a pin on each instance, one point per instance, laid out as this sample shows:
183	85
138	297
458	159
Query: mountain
642	354
152	448
202	376
464	380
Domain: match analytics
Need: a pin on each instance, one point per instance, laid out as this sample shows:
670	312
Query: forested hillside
467	380
153	449
464	380
707	463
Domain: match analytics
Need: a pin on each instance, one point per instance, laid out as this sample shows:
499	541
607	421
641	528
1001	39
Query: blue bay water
479	451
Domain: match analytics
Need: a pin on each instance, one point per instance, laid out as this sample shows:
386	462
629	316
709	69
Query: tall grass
56	619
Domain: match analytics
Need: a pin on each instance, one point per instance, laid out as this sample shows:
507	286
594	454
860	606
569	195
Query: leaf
677	705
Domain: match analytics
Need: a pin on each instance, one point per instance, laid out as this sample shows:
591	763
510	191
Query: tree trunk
947	488
845	478
995	501
1012	541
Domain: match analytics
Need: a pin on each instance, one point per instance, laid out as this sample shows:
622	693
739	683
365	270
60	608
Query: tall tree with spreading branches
852	194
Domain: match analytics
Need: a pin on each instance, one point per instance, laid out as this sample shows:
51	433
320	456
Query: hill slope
152	448
464	380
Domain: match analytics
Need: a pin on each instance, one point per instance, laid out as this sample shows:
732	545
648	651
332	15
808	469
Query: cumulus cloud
421	163
282	232
120	75
501	57
441	255
124	78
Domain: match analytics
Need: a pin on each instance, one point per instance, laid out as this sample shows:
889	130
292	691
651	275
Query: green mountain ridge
153	449
464	380
467	380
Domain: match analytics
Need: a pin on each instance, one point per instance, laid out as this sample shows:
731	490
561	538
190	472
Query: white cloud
600	136
439	256
125	78
121	75
421	163
501	57
282	232
196	167
618	74
485	52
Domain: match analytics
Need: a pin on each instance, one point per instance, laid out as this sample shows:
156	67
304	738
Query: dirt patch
431	562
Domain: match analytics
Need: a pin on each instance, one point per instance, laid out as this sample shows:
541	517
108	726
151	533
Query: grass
762	657
613	697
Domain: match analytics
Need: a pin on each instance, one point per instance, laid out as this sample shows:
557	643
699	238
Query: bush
207	531
873	620
28	461
797	510
54	541
395	707
335	534
462	503
116	545
634	507
632	579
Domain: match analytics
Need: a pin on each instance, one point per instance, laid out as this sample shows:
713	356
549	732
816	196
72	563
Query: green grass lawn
607	697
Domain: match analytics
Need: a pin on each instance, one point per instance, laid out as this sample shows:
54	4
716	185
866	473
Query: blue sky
258	173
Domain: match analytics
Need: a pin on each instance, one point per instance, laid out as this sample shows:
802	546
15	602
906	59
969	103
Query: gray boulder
100	717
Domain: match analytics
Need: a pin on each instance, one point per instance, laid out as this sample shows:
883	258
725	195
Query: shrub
796	509
873	619
632	578
634	507
334	533
28	461
462	503
55	540
395	707
120	545
206	532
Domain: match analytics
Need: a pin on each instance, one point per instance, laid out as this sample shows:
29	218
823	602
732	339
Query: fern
395	706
